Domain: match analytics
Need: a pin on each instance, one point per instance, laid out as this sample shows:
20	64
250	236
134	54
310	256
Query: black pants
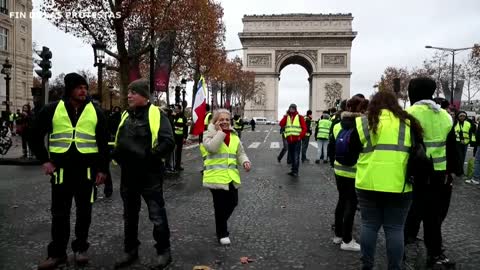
224	202
305	142
284	150
436	201
25	143
136	183
414	218
461	152
178	151
346	207
75	185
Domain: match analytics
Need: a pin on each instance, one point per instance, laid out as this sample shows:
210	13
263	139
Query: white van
260	120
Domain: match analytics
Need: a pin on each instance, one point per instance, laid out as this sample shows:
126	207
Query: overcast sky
390	33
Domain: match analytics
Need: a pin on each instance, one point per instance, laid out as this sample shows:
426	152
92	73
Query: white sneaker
225	241
475	182
352	246
337	240
469	181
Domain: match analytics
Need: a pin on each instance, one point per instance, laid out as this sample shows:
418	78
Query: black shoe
127	259
52	263
179	169
163	260
439	261
293	174
108	192
279	160
308	160
317	161
325	161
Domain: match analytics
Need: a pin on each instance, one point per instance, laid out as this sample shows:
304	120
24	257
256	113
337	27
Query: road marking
314	144
274	145
266	137
254	145
265	131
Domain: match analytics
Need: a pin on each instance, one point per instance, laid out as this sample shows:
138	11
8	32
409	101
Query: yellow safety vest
179	129
221	168
293	128
465	129
323	126
154	118
82	135
236	124
436	127
382	164
206	121
342	170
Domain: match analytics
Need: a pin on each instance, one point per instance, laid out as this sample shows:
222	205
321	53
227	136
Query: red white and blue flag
199	108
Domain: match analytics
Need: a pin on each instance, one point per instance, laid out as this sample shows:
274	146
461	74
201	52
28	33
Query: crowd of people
374	147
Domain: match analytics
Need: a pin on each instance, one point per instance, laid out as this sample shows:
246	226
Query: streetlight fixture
99	56
7	70
453	51
183	84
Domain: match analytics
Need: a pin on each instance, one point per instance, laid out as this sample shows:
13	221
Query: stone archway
320	43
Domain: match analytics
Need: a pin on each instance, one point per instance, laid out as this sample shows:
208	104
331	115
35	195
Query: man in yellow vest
238	124
76	160
463	132
295	130
181	133
144	137
322	131
431	198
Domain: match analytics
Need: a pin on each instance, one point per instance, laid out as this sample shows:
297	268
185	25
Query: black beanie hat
72	80
421	88
141	87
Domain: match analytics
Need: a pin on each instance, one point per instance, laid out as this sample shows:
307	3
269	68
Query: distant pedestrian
284	146
463	132
431	197
24	124
223	155
143	139
321	134
252	124
76	160
382	139
345	178
306	139
238	125
295	130
181	133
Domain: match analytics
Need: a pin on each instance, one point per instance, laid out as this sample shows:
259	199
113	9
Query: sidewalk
14	154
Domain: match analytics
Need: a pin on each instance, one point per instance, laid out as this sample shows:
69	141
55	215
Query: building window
3	38
23	8
3	7
23	45
24	86
24	29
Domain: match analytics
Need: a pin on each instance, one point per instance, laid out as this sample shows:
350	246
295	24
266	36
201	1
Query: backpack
420	166
343	155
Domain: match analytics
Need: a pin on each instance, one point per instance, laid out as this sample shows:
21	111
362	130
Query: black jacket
134	141
72	158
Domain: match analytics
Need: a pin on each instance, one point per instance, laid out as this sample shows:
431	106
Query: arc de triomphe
321	43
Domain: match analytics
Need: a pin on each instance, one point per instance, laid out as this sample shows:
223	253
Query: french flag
199	108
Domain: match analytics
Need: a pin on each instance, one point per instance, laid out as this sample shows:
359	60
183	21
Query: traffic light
45	64
177	95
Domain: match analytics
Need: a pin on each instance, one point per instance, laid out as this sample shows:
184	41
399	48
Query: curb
19	162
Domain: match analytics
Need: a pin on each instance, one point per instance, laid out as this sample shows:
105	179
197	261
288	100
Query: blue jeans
476	167
390	211
294	155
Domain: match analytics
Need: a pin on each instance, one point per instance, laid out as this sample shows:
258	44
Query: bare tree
472	80
333	91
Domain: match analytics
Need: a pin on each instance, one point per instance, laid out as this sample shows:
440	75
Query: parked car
260	120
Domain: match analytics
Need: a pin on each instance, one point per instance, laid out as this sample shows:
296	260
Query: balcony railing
4	10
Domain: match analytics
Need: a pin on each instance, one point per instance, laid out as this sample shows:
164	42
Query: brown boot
52	263
80	258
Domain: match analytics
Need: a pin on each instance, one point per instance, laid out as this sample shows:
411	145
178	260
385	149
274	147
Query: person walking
238	125
24	124
76	160
383	140
252	124
144	137
463	132
284	146
432	196
321	134
295	130
181	133
223	154
306	139
345	178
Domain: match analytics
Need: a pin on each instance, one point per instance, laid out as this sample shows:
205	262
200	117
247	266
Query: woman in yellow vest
345	179
223	154
383	140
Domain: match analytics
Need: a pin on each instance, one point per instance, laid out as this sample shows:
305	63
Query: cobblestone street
280	222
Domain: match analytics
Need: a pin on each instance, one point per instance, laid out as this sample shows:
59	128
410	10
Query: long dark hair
387	100
357	104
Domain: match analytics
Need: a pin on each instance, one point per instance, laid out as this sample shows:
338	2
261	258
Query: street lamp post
99	56
111	90
453	51
183	84
7	70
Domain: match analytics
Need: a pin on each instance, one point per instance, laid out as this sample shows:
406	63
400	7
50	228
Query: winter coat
303	125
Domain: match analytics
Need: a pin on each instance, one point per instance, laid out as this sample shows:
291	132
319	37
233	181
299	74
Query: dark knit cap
141	87
421	88
293	105
72	81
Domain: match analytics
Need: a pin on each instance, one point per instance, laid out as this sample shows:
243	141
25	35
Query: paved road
282	223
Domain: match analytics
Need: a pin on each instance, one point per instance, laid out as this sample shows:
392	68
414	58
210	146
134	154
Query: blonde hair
216	114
